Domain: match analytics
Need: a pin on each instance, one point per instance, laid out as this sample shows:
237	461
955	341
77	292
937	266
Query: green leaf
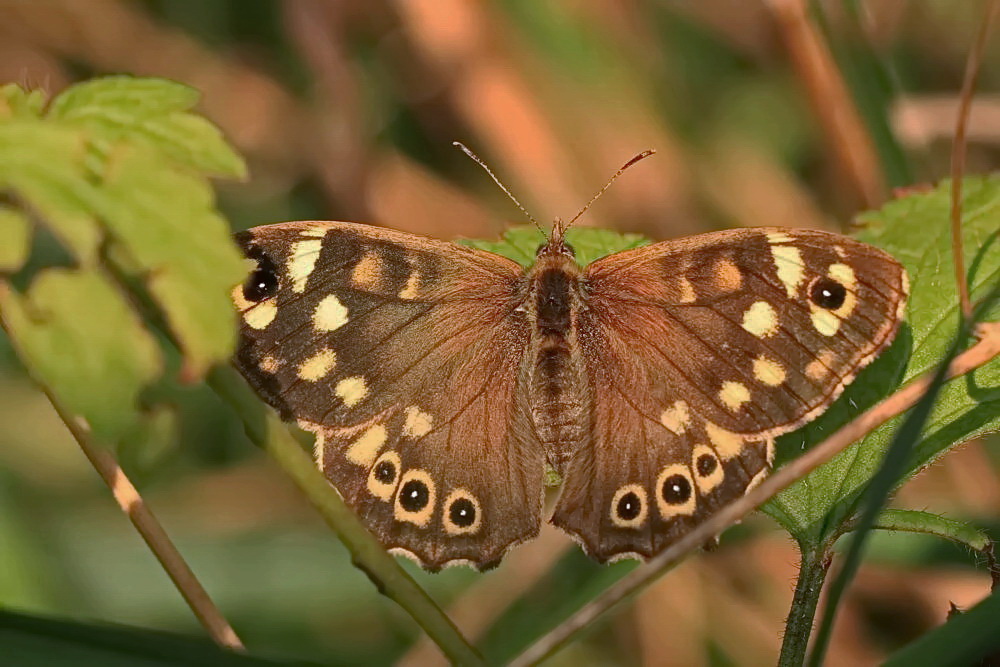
916	231
15	239
918	521
15	102
43	165
124	97
589	244
150	112
30	641
77	336
164	220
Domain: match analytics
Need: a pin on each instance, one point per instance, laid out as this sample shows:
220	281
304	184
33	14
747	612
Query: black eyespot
414	496
385	472
676	489
828	294
629	506
706	465
263	282
462	512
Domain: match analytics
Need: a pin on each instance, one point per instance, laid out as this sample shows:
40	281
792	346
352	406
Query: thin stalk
813	569
151	531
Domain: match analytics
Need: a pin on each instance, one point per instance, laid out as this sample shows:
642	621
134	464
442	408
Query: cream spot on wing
315	232
418	422
384	474
415	498
302	261
318	365
734	394
727	275
825	321
791	270
675	491
676	418
843	274
237	293
818	368
364	450
727	443
319	446
841	253
776	238
760	319
330	314
261	314
462	513
708	472
412	288
351	390
633	511
368	272
768	371
268	364
687	294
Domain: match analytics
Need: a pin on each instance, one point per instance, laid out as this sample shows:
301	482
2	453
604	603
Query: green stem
798	626
268	432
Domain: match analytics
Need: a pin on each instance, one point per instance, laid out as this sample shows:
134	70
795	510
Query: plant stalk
801	615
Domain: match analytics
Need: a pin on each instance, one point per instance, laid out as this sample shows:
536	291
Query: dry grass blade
847	139
958	154
982	352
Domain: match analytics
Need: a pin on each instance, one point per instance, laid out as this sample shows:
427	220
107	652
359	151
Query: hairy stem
798	626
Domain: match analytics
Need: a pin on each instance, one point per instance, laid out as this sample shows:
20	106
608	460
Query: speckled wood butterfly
440	379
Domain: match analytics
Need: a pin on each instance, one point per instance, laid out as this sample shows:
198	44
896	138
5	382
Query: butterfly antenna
465	149
641	156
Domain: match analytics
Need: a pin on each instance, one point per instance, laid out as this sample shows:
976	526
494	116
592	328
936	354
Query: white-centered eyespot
629	506
462	514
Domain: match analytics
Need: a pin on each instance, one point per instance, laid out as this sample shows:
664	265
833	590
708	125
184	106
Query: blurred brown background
347	110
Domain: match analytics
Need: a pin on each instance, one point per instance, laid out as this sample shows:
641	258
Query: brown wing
700	352
402	354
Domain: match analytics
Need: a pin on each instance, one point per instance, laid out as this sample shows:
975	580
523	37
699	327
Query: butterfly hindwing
702	351
403	355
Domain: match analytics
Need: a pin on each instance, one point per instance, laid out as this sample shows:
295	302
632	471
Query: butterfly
441	381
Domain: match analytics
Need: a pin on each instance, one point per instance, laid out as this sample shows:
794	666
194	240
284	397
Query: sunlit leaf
77	336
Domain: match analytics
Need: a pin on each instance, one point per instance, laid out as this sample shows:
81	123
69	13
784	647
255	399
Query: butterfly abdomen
559	398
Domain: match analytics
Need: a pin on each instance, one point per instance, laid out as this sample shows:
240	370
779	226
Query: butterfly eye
565	249
263	282
827	293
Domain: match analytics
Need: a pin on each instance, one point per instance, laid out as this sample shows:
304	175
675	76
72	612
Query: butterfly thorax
557	380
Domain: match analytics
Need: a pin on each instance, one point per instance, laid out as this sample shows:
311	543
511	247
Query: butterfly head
555	245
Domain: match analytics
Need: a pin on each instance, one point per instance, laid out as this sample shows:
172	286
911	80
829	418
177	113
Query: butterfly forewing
702	351
402	355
